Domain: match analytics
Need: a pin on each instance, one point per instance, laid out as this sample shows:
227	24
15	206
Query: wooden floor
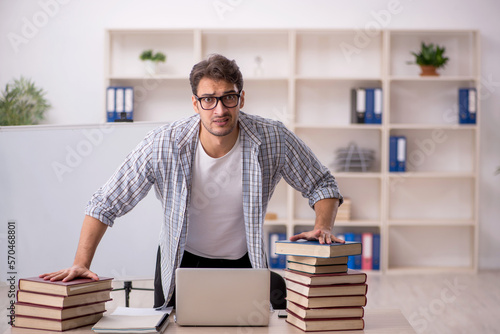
432	303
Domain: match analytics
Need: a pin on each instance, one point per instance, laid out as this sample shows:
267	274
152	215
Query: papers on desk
133	320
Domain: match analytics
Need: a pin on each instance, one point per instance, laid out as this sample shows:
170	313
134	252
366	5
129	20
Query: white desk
381	321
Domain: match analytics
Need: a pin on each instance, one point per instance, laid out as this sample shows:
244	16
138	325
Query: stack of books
322	293
59	306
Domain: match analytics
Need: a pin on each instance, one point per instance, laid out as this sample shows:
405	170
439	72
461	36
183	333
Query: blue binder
393	151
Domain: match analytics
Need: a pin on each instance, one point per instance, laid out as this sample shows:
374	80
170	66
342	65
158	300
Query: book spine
357	258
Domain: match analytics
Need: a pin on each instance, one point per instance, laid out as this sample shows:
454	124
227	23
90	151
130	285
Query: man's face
221	120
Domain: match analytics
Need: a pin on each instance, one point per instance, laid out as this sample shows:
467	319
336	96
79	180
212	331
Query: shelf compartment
425	102
431	247
245	46
317	98
365	201
338	54
268	98
439	150
126	47
431	199
324	142
150	96
460	48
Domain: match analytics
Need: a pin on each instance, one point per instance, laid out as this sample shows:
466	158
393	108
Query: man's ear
195	104
242	99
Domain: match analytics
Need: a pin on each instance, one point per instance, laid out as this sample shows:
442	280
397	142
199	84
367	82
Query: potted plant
151	60
430	58
22	103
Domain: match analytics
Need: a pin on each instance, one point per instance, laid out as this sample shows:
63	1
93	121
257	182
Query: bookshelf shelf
304	78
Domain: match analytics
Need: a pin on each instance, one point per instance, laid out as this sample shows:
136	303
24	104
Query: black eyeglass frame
218	98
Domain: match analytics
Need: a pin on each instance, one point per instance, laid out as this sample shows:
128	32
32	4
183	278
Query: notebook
222	297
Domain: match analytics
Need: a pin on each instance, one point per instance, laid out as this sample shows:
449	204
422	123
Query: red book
325	324
73	287
56	325
349	277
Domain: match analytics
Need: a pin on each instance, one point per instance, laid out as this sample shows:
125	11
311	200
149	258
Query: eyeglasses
210	102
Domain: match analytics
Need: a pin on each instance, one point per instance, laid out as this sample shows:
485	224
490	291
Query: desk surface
376	322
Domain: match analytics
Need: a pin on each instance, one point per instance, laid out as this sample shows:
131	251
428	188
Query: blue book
276	261
369	106
376	252
393	151
401	154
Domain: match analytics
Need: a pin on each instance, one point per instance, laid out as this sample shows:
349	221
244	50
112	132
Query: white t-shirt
216	227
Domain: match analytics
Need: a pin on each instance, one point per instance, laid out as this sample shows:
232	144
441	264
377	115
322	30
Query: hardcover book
56	325
74	287
327	290
315	249
325	312
63	301
328	301
323	269
318	261
350	277
58	313
325	324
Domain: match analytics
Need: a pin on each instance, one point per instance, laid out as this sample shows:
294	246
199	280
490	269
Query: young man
214	173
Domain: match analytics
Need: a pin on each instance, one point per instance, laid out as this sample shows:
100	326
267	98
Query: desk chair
277	295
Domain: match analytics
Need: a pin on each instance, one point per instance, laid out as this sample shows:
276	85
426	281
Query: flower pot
150	67
428	70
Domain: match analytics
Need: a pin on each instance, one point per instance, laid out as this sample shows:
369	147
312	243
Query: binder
377	106
367	255
467	105
120	104
349	236
401	154
357	258
357	105
376	251
393	150
110	104
276	261
370	106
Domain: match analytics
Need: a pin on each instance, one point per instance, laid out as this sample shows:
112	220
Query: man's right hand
69	274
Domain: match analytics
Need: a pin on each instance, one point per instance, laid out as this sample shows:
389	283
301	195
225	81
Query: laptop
222	297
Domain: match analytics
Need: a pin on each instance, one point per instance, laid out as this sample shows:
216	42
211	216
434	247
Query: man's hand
323	236
69	274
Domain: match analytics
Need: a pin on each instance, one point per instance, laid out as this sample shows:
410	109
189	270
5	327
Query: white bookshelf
427	216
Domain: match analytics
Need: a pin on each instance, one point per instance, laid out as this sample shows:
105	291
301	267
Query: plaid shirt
164	160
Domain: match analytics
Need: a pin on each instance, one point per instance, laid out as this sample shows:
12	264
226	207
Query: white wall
60	45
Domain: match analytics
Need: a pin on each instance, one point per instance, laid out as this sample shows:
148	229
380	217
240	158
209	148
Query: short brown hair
216	67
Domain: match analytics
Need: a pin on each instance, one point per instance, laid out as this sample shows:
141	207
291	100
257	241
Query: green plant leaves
431	55
22	103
